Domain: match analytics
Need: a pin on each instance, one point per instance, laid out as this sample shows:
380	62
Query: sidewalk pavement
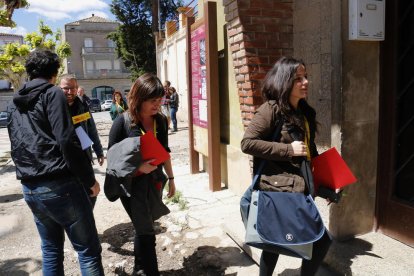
369	254
4	145
217	214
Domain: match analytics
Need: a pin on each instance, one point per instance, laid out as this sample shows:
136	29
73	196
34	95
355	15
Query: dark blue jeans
62	205
173	111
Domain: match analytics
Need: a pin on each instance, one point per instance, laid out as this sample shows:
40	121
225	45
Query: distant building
7	39
93	60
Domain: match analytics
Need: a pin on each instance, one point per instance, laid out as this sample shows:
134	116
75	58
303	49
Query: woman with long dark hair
285	90
118	106
143	115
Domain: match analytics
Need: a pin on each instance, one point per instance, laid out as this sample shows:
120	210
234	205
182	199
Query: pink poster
199	81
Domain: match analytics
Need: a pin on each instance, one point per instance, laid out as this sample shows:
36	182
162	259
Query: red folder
151	148
330	170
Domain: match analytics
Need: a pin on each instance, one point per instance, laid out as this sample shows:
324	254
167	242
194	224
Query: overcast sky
56	13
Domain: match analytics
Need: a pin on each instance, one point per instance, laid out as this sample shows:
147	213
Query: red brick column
259	32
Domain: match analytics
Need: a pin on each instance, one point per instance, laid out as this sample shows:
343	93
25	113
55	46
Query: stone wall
117	84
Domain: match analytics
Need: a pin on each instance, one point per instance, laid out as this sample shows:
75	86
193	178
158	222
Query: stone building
93	60
361	88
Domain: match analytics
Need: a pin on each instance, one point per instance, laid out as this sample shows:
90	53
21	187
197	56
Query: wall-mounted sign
199	76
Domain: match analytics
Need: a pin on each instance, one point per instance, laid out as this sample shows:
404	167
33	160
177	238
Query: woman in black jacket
285	90
144	101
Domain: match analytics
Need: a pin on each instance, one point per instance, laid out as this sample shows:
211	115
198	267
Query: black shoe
138	272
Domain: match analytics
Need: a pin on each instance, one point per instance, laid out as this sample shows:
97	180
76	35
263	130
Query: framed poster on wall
199	76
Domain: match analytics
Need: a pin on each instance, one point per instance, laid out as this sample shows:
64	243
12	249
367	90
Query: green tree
13	56
7	8
135	38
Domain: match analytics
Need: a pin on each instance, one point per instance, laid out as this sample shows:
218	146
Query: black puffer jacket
42	135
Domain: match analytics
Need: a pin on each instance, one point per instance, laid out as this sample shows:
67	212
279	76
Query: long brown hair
117	93
278	85
146	87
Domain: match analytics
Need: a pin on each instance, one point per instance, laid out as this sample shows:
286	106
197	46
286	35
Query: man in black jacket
81	116
54	170
82	96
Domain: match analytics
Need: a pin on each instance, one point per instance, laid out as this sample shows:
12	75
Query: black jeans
144	244
268	260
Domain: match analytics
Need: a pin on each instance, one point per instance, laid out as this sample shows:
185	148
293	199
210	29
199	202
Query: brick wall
259	32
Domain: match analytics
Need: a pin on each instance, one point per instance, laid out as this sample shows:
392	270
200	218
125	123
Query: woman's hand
299	148
96	188
146	167
171	188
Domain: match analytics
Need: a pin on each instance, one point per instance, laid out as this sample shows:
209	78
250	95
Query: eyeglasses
69	88
301	79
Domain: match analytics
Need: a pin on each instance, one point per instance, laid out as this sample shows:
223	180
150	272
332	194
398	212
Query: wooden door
395	204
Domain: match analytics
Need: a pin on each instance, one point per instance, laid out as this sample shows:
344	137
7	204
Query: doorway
395	204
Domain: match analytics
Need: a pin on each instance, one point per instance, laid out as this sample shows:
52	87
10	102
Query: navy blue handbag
284	223
281	222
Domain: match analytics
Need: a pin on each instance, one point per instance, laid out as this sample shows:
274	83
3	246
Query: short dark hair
42	64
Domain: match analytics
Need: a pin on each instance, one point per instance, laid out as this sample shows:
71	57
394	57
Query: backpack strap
127	123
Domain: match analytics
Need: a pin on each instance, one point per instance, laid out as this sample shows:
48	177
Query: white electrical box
367	20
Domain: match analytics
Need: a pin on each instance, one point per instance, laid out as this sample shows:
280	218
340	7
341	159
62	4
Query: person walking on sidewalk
53	168
144	204
165	102
118	105
285	90
174	101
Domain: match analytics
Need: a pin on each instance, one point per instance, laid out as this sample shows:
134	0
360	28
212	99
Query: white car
106	105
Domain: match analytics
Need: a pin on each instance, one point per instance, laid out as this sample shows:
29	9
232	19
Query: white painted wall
172	65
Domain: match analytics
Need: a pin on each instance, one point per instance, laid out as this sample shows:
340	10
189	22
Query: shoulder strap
275	137
127	122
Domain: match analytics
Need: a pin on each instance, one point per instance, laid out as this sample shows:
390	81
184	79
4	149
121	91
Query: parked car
106	105
95	105
3	119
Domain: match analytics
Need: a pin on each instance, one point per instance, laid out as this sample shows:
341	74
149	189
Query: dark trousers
268	260
144	244
173	111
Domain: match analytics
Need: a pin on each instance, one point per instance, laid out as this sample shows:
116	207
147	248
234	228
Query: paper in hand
84	139
330	170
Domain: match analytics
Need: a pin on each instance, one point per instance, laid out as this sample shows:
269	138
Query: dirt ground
180	250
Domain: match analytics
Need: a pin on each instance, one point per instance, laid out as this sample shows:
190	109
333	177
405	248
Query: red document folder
151	148
330	170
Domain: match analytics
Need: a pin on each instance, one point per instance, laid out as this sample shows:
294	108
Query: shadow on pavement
117	236
18	267
210	261
7	167
10	198
341	254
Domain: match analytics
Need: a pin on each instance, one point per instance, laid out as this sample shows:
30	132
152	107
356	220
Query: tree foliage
13	56
7	8
134	38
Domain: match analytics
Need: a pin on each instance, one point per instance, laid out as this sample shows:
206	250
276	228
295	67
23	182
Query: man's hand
146	167
101	160
96	188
